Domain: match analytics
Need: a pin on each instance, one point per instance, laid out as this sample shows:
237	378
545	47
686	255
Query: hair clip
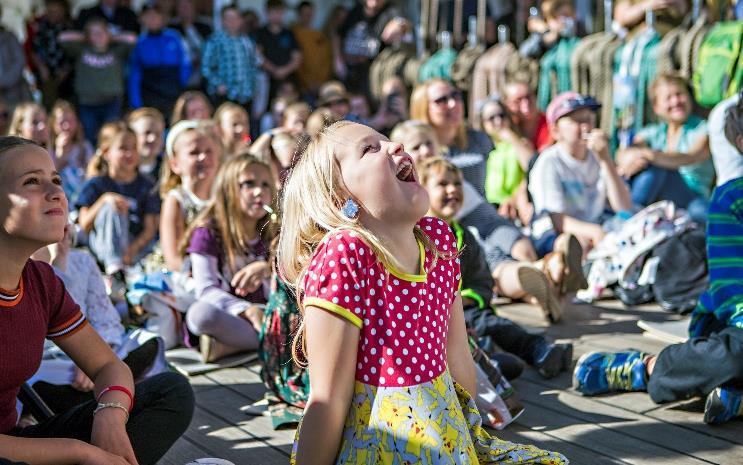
350	209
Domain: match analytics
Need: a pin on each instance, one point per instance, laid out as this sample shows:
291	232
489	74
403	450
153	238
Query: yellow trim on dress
416	278
334	308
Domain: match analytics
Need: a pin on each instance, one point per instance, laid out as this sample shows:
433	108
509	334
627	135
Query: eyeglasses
444	99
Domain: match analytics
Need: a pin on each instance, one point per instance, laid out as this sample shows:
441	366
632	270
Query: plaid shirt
230	61
722	303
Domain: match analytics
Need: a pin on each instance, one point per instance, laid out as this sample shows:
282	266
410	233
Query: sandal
572	277
535	283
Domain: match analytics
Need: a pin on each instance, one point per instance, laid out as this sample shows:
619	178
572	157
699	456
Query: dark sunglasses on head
444	99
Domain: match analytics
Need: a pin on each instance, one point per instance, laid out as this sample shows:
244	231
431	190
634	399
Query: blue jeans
654	184
92	117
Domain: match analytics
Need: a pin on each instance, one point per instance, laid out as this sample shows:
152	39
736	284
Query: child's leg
517	280
162	411
89	119
229	329
109	238
697	366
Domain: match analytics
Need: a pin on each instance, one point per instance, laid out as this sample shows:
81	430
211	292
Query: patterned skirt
432	423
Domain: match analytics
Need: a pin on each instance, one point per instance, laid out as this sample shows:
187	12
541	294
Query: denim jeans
92	117
655	183
162	412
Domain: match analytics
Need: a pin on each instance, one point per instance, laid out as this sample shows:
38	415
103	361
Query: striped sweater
722	303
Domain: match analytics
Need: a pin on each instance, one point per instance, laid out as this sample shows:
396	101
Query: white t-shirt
726	158
560	183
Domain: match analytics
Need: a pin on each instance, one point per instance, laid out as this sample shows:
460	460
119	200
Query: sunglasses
494	117
444	99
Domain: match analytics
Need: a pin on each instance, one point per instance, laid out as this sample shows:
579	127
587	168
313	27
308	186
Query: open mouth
452	201
405	170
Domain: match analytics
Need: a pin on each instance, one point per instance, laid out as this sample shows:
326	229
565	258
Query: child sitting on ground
68	147
383	331
443	181
709	363
194	154
122	425
149	126
233	126
118	205
228	248
503	244
575	181
30	122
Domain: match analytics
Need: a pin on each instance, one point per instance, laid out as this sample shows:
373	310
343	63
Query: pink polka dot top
403	318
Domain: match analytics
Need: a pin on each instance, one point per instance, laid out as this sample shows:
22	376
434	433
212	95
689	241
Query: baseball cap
568	102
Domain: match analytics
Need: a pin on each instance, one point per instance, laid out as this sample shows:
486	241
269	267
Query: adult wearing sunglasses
438	103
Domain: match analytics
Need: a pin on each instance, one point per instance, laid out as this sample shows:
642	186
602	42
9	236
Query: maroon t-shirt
43	309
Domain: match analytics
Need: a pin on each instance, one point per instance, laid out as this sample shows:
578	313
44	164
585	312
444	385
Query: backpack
679	292
719	71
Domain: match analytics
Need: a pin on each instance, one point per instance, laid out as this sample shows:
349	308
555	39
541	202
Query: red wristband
120	389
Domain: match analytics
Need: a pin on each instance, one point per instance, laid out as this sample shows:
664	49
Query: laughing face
379	175
32	203
444	187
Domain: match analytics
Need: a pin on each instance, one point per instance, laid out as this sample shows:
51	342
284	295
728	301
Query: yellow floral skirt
431	423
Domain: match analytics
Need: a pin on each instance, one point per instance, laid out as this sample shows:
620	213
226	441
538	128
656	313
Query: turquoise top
700	177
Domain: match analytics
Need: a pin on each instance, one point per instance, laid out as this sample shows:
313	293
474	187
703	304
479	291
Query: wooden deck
615	429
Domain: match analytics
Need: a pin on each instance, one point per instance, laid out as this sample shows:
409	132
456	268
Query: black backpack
682	271
680	278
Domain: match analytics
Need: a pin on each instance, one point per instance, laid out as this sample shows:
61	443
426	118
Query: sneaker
553	359
722	404
602	372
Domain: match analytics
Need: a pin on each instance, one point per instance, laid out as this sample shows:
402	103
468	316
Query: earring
350	209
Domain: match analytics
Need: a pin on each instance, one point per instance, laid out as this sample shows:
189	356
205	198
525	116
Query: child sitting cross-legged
709	363
443	181
228	248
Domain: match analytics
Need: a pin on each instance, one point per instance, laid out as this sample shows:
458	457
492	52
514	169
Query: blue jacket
159	65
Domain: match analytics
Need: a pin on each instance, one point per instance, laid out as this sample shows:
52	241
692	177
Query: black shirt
276	48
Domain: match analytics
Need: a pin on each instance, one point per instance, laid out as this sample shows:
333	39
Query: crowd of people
361	234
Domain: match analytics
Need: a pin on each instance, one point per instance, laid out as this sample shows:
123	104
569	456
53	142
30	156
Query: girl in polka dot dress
383	330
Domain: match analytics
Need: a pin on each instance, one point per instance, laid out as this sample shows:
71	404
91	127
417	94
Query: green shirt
503	173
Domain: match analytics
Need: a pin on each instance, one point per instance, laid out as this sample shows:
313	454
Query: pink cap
568	102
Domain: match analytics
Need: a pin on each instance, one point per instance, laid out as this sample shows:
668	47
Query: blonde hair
20	113
419	108
181	105
319	120
109	134
426	168
224	217
311	203
224	109
402	131
145	112
62	106
667	79
169	180
296	108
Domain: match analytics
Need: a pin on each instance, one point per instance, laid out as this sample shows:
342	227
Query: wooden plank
223	440
226	403
183	451
669	436
577	453
241	380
